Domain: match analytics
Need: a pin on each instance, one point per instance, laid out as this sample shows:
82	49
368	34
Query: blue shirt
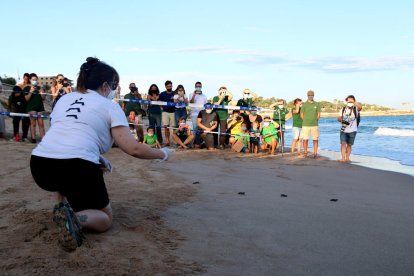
165	97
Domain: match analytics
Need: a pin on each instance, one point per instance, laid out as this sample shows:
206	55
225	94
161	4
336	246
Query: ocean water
390	137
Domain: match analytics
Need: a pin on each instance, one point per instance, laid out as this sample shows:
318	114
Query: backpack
356	113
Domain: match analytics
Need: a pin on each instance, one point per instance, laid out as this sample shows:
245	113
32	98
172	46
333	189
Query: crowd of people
87	122
215	124
211	124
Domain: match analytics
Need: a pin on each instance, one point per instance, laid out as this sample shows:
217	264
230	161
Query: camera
344	125
36	87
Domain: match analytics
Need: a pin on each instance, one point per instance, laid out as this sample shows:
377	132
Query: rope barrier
13	114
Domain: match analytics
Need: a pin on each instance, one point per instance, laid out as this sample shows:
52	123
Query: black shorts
255	140
80	181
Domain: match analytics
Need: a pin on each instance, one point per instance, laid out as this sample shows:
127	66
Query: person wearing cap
206	123
349	119
280	115
248	100
310	113
133	110
223	98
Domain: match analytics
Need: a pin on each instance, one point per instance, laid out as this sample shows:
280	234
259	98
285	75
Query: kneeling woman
68	161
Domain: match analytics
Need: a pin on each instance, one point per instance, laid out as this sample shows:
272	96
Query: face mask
111	95
182	124
245	96
133	89
198	89
33	82
169	89
310	98
350	104
280	106
209	111
150	134
243	128
266	124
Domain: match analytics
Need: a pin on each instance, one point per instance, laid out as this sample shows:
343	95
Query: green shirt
150	140
279	115
36	102
222	114
297	120
132	106
269	130
310	112
245	103
244	137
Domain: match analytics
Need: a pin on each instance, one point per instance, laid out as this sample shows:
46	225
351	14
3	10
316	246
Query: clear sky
275	48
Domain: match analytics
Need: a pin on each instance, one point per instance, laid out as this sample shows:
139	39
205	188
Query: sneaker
17	137
69	229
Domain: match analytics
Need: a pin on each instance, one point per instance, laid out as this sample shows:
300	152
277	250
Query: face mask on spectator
280	106
266	124
350	104
209	111
33	82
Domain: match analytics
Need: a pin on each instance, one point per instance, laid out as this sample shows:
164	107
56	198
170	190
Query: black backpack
356	113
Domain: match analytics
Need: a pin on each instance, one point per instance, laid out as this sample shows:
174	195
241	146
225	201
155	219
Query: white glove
106	164
167	153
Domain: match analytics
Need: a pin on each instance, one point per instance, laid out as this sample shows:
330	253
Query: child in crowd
151	139
183	135
244	137
254	137
235	125
269	135
131	121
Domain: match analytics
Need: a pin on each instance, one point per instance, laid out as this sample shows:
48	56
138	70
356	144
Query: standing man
132	110
197	98
280	115
310	113
168	111
223	98
247	101
349	118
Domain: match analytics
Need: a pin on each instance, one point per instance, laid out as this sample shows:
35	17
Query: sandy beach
187	217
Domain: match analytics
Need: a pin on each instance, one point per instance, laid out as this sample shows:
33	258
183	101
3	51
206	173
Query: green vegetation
8	80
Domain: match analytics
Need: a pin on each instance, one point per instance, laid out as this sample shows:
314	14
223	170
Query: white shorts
296	132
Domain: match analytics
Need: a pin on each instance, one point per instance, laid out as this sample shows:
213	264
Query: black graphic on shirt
75	109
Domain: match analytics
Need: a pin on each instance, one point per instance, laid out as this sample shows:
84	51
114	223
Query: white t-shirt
198	99
349	116
81	127
176	97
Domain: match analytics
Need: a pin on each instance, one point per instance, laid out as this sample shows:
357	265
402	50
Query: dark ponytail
93	73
